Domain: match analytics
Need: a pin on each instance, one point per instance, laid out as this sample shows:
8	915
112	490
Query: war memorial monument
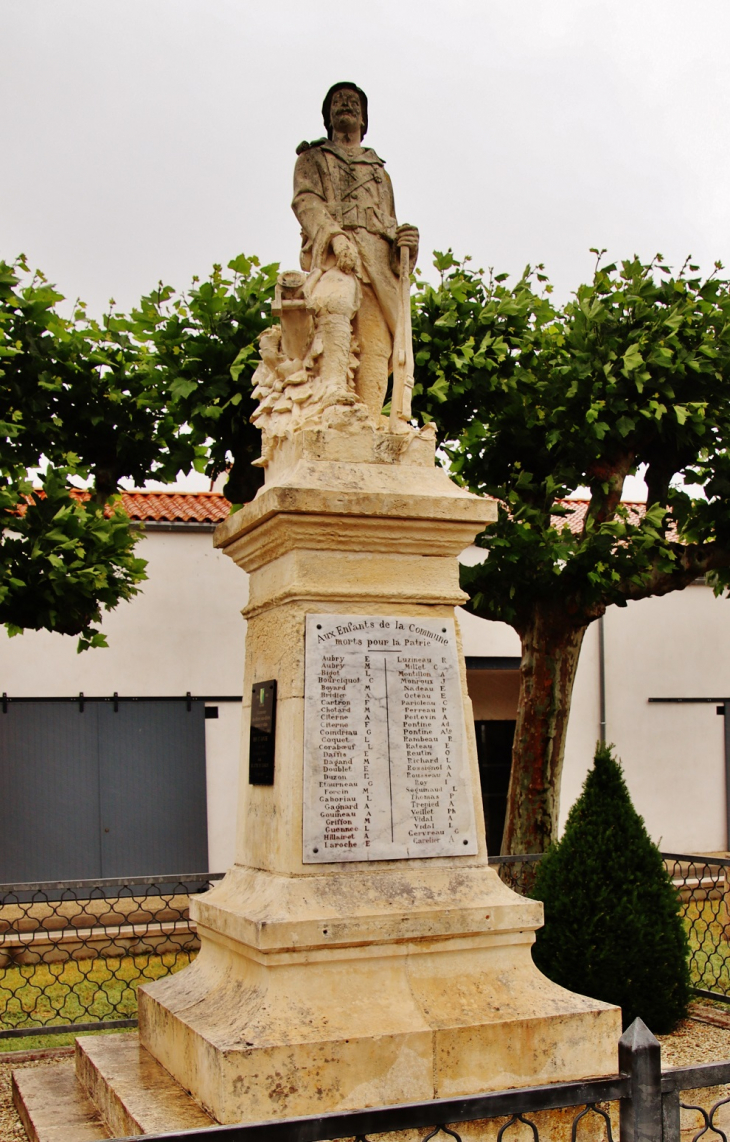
360	952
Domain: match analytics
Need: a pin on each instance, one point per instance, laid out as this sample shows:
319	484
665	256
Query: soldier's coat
338	193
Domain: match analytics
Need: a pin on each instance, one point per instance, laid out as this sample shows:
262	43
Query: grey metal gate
100	789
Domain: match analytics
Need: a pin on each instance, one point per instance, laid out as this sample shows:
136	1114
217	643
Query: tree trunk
550	650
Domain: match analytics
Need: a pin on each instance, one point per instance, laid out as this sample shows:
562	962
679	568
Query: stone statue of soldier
345	321
351	243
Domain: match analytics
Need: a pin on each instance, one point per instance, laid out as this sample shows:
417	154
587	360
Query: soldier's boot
376	344
371	379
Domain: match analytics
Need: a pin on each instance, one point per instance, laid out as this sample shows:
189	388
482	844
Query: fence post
640	1057
671	1126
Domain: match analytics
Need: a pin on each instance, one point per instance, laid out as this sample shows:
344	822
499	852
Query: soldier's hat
328	103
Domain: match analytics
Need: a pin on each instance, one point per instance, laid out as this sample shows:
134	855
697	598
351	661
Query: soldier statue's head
345	107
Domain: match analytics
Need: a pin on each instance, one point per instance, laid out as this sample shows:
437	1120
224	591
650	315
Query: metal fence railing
517	872
640	1104
702	883
72	954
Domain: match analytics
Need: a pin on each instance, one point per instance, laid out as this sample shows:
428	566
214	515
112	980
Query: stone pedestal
346	985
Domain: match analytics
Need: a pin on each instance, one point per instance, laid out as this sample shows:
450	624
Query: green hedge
612	924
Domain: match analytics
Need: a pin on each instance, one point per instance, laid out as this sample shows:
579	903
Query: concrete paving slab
53	1107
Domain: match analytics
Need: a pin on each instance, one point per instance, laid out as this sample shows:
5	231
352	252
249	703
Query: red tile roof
212	507
175	507
577	513
165	507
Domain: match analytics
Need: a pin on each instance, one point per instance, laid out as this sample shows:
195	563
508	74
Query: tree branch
693	560
613	473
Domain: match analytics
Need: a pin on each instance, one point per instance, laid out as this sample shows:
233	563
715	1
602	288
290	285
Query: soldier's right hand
345	254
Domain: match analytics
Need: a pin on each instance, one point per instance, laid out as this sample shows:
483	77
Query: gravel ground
692	1042
695	1042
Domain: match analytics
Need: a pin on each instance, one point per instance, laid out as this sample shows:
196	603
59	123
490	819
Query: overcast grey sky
146	139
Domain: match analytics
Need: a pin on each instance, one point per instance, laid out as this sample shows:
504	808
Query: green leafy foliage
612	924
533	401
530	400
88	403
63	559
201	351
72	388
74	404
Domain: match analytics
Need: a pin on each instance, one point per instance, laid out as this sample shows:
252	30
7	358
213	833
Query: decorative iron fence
72	954
702	883
641	1104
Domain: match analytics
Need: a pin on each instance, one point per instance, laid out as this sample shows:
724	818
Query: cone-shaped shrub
612	924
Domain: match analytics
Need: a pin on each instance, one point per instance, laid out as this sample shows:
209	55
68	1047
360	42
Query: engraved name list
385	769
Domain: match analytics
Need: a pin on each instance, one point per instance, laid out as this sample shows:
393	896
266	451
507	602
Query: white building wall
183	632
480	637
673	755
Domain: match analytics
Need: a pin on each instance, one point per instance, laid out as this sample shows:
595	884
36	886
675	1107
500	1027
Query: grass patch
78	991
708	931
49	1042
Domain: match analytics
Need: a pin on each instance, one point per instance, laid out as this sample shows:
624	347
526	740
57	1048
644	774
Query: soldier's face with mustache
346	111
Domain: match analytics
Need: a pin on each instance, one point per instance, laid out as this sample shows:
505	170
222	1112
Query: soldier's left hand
407	235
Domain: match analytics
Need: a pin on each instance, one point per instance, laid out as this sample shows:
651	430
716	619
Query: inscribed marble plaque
386	774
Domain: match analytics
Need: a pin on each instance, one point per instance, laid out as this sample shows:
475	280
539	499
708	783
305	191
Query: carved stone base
350	440
345	991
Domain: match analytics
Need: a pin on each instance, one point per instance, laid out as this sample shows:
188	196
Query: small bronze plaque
262	740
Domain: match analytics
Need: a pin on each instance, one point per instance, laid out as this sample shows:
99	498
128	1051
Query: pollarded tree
74	404
533	401
85	401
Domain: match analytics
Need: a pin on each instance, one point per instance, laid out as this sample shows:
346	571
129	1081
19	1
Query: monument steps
132	1091
113	1089
53	1106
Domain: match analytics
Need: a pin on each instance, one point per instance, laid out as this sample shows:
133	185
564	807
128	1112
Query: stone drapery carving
344	320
